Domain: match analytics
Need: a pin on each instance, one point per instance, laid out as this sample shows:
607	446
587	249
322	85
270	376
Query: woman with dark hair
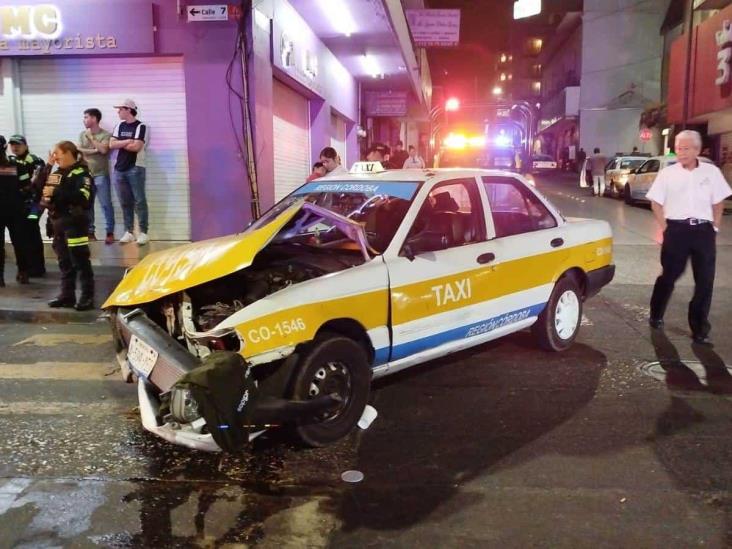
11	215
67	194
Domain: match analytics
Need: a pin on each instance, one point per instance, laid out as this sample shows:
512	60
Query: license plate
142	357
547	165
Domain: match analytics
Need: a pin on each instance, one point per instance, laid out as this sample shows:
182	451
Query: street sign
209	12
646	134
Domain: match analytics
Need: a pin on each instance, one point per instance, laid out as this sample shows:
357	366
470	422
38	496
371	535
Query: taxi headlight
183	407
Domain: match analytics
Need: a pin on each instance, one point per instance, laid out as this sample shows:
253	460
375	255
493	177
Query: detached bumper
598	278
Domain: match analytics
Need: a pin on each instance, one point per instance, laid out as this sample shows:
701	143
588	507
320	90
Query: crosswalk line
51	340
81	371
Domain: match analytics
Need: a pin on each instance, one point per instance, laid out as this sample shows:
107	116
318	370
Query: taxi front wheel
558	324
334	365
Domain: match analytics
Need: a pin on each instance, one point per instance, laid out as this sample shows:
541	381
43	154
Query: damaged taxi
349	278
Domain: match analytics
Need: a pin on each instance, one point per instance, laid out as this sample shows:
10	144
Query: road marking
62	408
10	490
81	371
51	340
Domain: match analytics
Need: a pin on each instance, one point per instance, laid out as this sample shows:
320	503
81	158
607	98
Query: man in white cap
130	137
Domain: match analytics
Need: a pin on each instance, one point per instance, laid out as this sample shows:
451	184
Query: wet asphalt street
500	446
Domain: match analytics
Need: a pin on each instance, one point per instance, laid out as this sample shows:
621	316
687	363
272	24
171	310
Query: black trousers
34	246
12	219
681	242
71	244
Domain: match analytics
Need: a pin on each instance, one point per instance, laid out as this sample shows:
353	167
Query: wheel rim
332	377
566	315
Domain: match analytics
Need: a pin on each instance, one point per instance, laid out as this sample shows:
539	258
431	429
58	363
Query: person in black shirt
67	194
11	217
33	243
130	137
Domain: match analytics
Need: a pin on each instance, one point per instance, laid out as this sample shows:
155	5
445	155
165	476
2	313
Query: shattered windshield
335	213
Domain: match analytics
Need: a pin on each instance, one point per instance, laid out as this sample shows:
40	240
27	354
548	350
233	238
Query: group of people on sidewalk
330	161
65	186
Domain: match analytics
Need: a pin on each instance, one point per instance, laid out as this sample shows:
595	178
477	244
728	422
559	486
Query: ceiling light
339	15
370	65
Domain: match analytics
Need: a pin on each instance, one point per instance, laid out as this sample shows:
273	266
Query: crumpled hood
168	272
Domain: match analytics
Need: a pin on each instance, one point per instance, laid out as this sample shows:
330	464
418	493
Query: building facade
310	67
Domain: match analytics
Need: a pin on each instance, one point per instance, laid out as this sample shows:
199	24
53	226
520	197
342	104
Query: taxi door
442	278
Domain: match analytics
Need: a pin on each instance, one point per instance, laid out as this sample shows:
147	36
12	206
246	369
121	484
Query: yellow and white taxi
351	277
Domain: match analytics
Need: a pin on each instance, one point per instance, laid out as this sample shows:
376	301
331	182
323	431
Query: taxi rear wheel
558	324
333	365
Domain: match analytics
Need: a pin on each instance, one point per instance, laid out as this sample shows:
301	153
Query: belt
689	221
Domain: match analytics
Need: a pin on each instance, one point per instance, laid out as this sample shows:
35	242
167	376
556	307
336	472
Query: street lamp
497	91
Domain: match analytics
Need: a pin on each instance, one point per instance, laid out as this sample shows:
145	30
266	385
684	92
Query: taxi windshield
374	209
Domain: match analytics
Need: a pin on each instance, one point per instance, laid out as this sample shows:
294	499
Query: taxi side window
451	216
650	166
515	209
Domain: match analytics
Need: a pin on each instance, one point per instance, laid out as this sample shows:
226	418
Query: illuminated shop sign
42	21
69	27
724	55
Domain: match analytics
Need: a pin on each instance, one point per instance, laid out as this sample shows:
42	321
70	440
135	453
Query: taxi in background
618	170
350	278
640	180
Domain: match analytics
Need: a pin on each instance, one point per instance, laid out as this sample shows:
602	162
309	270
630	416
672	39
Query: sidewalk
29	303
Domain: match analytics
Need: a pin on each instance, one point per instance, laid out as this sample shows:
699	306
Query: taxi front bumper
172	363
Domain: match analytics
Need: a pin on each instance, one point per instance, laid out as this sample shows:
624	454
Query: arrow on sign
194	11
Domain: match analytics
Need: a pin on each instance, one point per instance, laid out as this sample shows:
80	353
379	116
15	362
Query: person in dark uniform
11	207
67	194
687	199
27	165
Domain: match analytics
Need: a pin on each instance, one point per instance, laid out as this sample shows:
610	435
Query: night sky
484	31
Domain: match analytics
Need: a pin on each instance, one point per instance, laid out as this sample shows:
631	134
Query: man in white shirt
687	199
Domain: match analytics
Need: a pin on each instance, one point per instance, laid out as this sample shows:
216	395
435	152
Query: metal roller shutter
291	139
55	93
7	124
338	136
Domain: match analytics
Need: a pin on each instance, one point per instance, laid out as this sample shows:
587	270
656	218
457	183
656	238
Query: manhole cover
689	374
352	476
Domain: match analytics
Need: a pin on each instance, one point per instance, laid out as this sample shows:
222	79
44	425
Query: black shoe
702	340
37	274
62	302
84	304
22	277
656	323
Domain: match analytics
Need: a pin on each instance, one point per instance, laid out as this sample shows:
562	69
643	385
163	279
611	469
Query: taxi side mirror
423	242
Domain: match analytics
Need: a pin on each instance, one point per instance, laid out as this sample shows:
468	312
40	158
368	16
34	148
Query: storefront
710	89
62	58
305	100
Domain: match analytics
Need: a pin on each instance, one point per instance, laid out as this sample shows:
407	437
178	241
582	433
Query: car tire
559	322
333	364
628	195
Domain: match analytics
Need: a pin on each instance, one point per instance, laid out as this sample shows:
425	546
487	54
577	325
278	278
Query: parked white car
639	183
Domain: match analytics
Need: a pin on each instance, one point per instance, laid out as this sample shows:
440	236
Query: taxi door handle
486	258
557	242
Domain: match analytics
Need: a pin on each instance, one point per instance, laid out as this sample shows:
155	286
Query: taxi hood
168	272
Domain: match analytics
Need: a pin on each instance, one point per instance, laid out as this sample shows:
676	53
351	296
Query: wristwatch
716	229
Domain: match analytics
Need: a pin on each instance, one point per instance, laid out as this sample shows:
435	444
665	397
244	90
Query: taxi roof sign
367	167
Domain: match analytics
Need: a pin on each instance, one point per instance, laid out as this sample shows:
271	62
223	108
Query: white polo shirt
689	193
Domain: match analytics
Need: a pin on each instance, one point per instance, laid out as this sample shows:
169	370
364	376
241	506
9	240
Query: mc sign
41	21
